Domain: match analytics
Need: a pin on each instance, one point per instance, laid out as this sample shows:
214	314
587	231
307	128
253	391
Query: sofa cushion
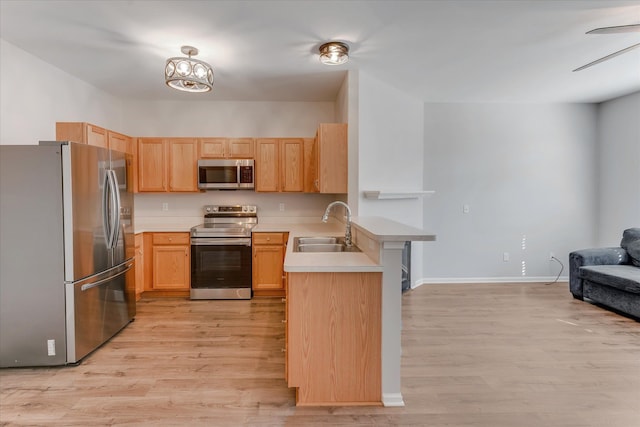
623	277
629	236
633	249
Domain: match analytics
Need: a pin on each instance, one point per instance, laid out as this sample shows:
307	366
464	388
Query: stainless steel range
221	253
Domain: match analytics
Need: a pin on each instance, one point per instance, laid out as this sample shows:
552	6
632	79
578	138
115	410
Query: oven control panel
216	209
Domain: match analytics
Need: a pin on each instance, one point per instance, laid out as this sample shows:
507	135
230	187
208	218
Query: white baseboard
515	279
392	399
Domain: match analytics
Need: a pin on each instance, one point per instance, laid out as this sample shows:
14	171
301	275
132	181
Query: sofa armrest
597	256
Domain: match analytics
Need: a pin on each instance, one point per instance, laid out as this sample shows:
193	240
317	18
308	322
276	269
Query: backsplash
269	204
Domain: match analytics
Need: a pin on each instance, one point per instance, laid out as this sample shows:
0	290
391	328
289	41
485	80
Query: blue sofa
609	276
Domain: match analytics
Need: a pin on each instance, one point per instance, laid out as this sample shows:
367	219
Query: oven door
221	268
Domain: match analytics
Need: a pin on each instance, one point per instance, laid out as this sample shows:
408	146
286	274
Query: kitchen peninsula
343	326
343	309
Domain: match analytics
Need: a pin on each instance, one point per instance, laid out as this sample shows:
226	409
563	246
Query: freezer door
120	171
83	175
97	308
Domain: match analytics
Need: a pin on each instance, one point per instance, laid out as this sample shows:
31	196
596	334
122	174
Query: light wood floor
494	355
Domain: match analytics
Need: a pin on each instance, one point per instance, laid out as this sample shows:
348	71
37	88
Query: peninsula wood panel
334	337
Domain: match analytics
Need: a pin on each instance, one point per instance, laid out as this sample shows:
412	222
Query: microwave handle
238	173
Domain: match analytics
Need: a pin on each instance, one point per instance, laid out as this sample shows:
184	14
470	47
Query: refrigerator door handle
114	218
106	225
100	282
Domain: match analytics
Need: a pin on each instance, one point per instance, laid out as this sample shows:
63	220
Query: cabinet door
119	142
171	269
240	148
213	148
332	158
267	165
267	267
292	164
151	165
97	136
182	164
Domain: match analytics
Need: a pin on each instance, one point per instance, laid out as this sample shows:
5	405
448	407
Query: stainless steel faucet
347	233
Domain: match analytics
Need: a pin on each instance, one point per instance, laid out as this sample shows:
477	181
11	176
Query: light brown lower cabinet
167	264
333	338
268	261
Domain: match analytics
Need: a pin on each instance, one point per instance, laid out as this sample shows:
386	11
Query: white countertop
339	262
376	228
385	230
165	224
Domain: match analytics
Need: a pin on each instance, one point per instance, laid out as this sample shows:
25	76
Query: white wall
525	171
619	167
226	118
390	154
34	95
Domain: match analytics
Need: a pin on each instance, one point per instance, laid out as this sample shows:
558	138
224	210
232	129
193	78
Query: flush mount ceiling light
188	74
334	53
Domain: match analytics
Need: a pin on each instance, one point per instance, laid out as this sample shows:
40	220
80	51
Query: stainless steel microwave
226	174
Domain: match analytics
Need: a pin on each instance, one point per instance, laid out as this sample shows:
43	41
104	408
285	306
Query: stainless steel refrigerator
66	251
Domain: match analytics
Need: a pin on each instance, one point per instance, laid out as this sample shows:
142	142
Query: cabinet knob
284	350
268	239
284	300
284	320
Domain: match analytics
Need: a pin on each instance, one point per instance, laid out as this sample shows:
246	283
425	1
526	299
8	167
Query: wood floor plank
473	355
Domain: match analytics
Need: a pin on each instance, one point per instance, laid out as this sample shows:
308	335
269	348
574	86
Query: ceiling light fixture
188	74
334	53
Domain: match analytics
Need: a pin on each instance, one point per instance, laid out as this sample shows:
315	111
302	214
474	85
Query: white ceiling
440	51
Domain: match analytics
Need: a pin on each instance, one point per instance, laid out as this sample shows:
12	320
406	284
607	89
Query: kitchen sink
316	240
322	244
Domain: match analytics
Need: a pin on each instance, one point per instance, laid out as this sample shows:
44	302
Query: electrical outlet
551	256
465	209
505	256
165	206
281	207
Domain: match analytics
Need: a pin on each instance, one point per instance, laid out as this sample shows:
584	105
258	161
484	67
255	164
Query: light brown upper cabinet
84	133
280	164
120	142
331	158
167	165
226	148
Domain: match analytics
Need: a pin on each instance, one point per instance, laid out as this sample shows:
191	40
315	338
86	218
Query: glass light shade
334	53
188	74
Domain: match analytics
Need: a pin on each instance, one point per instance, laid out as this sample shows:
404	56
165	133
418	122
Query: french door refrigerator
66	251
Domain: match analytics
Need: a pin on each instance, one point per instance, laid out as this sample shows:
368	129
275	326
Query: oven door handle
220	241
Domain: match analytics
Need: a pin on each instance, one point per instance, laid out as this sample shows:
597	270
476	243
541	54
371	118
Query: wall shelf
389	195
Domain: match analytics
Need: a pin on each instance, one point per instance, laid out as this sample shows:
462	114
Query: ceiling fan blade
617	29
597	61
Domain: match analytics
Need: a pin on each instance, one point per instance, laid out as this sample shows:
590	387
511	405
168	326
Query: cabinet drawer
170	238
268	238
